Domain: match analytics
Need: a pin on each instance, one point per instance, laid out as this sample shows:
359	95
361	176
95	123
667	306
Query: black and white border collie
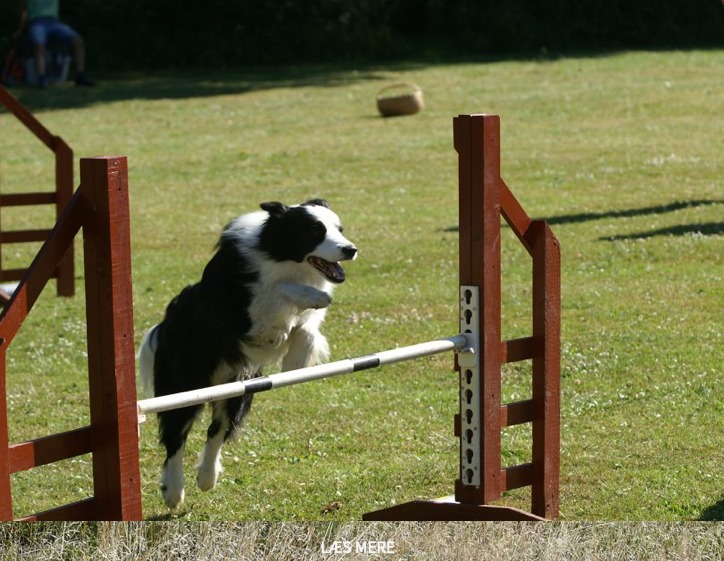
261	299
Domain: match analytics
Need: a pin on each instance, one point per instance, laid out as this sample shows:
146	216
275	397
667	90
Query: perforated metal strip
469	362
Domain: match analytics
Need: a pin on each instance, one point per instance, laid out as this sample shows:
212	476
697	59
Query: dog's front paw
319	300
305	297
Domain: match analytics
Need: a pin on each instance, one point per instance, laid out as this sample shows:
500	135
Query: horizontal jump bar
255	385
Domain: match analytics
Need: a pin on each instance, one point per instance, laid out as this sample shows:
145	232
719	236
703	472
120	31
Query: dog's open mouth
333	272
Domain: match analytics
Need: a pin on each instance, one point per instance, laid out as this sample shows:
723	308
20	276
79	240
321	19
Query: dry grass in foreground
165	541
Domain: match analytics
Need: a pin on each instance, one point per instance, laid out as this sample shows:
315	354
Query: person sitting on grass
42	17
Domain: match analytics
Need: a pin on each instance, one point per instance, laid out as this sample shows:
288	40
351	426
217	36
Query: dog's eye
341	229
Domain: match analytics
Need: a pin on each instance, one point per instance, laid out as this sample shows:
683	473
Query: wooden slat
19	274
26	199
22	236
515	477
49	449
514	215
515	350
78	511
64	187
516	413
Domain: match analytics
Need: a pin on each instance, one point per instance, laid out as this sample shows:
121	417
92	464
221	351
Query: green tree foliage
176	33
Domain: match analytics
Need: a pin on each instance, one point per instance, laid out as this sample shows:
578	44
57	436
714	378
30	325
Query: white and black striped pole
265	383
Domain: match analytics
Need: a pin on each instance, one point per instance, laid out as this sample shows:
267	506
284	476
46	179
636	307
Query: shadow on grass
188	83
702	229
192	83
714	512
628	213
705	229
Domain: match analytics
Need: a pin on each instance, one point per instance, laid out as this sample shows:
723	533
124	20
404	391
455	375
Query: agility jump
100	208
293	377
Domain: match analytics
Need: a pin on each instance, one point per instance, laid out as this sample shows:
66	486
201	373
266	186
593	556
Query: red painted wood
462	143
515	477
111	359
49	449
546	371
19	274
27	199
486	144
6	496
514	215
77	511
12	275
477	141
516	350
22	236
444	511
64	193
516	413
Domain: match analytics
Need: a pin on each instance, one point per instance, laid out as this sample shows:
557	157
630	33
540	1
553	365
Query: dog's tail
145	356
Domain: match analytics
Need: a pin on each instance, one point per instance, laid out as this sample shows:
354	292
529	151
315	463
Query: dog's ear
316	202
274	208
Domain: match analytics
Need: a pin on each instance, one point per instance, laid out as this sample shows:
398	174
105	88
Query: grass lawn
621	153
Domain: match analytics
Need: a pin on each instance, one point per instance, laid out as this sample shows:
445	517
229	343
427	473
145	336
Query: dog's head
308	233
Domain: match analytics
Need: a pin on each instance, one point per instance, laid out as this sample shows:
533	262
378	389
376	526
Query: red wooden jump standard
64	273
100	208
483	197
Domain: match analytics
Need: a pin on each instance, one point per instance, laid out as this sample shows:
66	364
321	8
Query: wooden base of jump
447	510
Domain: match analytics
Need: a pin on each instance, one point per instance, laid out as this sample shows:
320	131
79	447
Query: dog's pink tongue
337	271
332	271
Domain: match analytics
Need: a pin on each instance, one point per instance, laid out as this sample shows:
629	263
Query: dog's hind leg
226	420
174	427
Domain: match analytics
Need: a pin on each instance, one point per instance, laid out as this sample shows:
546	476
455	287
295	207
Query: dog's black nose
349	252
